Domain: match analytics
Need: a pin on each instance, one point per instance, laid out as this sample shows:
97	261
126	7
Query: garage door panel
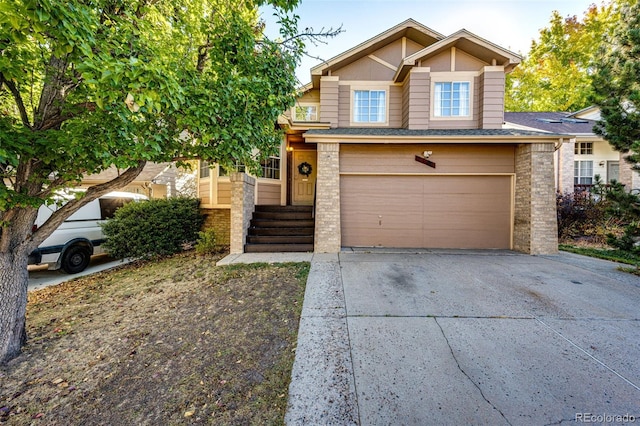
426	211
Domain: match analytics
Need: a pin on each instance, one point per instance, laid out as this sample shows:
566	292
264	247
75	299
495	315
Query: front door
304	177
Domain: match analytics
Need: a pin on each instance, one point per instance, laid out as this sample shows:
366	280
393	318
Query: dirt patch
178	341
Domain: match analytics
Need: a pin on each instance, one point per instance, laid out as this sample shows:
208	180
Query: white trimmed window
583	172
305	113
369	106
452	99
205	169
583	148
271	168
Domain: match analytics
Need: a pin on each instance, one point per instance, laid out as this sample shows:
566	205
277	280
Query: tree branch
74	205
17	98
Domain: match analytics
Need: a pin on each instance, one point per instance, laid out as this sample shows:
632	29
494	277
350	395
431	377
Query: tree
555	75
90	84
616	84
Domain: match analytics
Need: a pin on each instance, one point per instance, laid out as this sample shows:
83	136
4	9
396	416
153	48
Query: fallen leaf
189	413
57	381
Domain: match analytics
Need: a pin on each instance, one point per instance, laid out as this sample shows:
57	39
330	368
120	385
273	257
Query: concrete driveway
447	337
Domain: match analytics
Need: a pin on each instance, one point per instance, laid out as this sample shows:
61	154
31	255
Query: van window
108	206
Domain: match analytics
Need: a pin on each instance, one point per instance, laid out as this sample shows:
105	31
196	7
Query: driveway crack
466	375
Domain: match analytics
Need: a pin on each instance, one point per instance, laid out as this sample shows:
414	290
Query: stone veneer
243	189
219	220
327	233
535	221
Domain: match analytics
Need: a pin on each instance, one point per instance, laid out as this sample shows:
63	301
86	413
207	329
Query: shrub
580	214
153	228
206	243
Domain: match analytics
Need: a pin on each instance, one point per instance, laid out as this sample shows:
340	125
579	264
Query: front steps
281	229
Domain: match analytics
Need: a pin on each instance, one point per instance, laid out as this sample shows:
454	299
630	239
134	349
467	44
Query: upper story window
305	113
583	148
452	99
369	106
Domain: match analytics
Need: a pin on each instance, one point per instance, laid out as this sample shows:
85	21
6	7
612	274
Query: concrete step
276	248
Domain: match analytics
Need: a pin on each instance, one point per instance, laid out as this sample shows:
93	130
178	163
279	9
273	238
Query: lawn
606	253
176	341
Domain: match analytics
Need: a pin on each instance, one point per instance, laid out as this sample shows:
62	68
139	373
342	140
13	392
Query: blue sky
511	24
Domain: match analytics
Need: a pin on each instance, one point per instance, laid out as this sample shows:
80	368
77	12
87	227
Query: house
581	159
399	142
157	180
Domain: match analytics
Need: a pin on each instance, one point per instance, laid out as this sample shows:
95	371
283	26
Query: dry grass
178	341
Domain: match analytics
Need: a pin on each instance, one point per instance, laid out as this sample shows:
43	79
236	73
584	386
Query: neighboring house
399	142
157	180
579	161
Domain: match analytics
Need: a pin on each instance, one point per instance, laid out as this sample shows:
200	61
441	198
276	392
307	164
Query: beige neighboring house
399	143
157	180
584	156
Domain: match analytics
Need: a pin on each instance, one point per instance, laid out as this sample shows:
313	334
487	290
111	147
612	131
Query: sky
511	24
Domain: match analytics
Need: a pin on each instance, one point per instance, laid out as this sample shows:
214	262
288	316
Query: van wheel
76	259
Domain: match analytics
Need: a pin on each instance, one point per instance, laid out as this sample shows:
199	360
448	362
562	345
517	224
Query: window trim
370	88
452	77
278	169
583	145
577	166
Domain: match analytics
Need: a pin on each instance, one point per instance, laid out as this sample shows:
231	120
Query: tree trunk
14	279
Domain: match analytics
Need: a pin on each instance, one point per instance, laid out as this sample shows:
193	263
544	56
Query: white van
72	244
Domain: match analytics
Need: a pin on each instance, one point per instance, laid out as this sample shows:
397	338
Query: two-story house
399	142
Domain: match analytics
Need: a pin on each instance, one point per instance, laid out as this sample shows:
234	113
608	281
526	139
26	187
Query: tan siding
391	53
344	106
310	96
395	106
413	47
449	158
426	211
329	101
466	62
441	62
493	99
224	192
418	102
406	89
203	192
365	69
268	193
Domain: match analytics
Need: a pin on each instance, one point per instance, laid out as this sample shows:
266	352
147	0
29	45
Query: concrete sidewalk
461	337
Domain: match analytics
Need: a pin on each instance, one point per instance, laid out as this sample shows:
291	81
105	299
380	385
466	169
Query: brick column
565	158
243	189
535	221
327	234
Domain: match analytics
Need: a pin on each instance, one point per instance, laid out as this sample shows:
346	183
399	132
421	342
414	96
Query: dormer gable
409	29
467	43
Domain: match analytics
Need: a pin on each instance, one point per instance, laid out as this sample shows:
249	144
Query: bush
580	214
206	243
153	228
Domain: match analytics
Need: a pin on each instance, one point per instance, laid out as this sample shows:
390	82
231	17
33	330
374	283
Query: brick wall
219	220
535	221
327	233
242	206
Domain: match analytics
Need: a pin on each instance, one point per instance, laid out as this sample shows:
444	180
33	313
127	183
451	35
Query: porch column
243	189
535	219
327	234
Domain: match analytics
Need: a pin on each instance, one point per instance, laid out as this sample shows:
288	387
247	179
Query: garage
390	200
426	211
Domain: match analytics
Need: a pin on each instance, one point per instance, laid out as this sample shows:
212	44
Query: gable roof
490	53
410	29
553	122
